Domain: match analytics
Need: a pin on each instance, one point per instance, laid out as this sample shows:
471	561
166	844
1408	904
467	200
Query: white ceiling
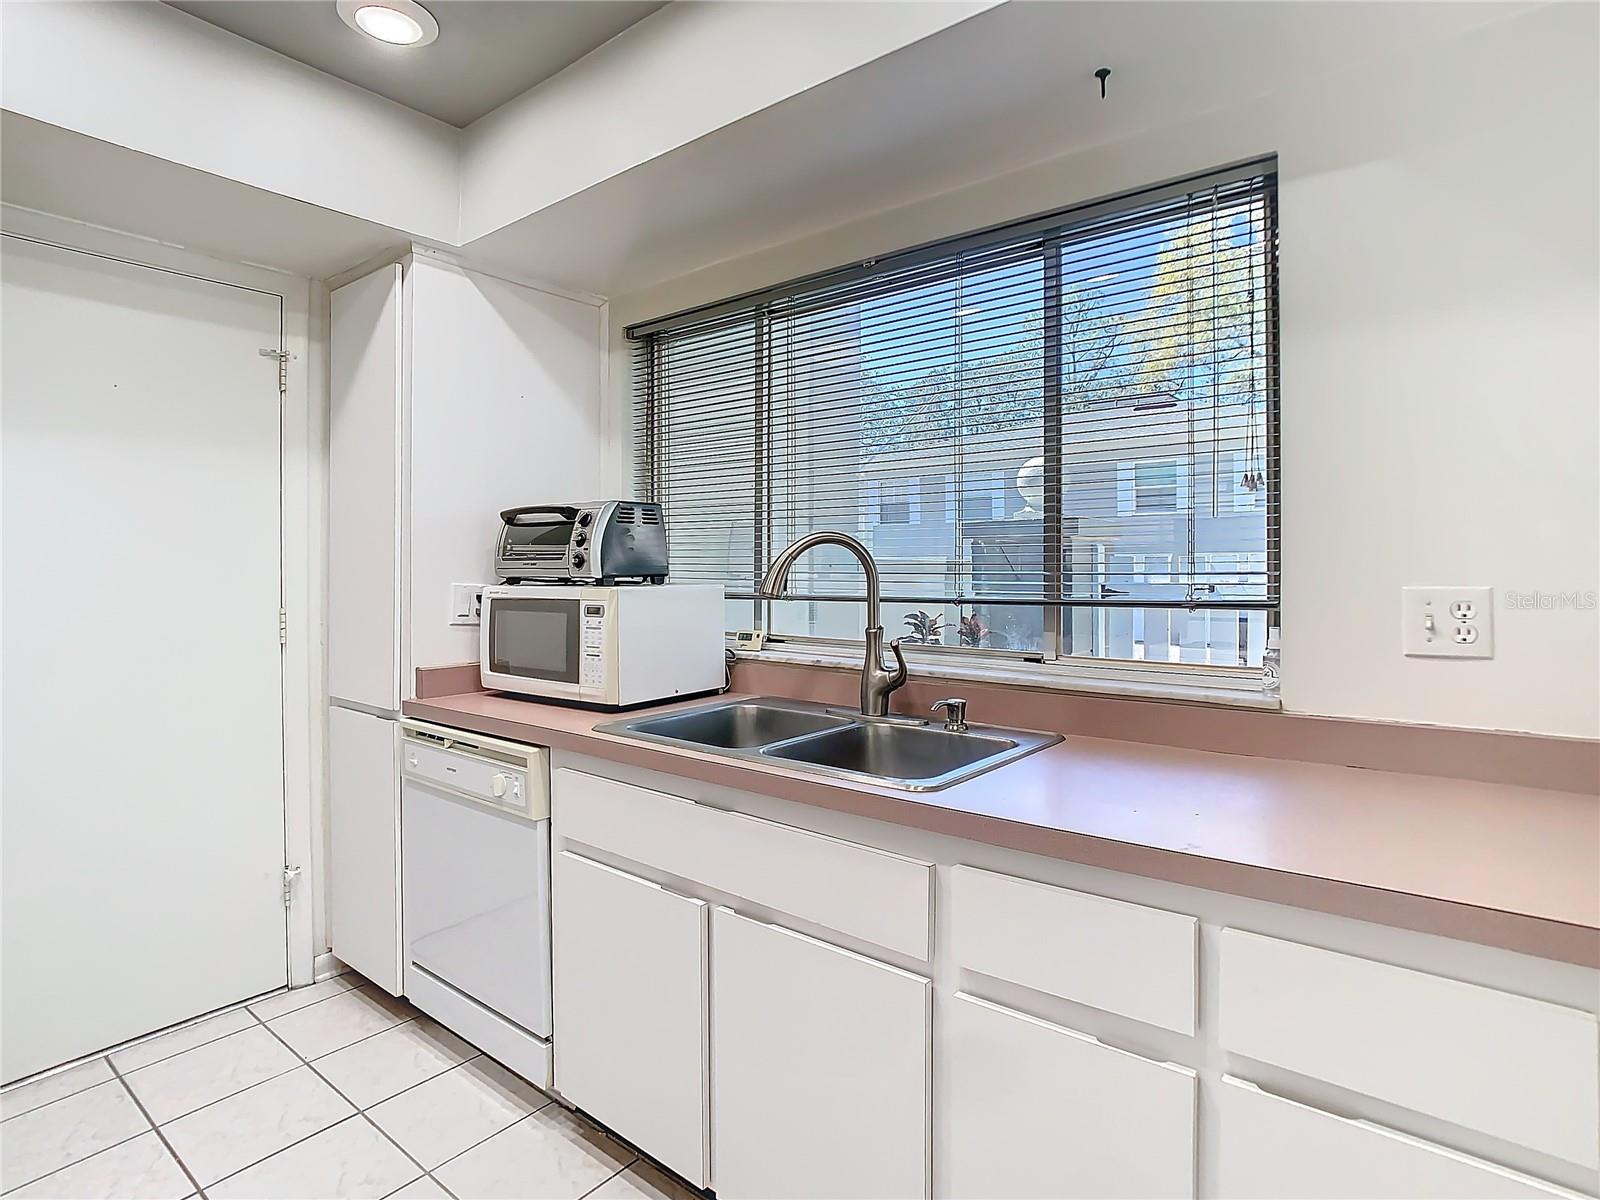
65	174
1009	88
488	50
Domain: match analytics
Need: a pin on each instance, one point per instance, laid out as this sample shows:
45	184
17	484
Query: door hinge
283	365
283	627
290	874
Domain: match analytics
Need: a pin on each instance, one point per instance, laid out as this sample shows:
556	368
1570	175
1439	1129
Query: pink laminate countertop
1506	866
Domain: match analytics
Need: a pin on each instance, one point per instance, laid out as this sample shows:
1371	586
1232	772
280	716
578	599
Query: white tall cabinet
453	395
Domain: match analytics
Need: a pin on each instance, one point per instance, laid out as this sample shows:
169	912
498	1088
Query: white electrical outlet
466	603
1447	622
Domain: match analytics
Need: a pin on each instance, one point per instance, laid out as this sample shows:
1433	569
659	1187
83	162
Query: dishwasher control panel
503	775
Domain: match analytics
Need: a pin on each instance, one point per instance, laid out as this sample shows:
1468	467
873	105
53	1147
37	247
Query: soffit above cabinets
487	52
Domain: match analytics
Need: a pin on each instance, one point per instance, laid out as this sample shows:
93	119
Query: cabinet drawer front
1524	1070
820	1070
1275	1149
1118	957
870	894
1032	1109
630	1009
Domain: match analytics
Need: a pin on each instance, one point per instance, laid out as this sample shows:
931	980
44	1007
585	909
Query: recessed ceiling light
396	22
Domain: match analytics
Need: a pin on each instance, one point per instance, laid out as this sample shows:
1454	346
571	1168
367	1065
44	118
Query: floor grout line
429	1173
360	987
86	1157
360	1112
156	1129
609	1178
68	1096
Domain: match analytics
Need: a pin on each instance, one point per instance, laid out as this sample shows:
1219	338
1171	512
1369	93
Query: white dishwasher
475	890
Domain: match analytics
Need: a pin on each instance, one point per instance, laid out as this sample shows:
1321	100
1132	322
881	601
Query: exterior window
1057	438
1152	486
894	504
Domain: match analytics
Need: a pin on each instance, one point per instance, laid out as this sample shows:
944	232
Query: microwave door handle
564	511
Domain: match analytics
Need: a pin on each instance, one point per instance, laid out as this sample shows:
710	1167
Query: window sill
1090	680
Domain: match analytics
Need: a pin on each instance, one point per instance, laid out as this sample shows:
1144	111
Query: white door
1276	1149
364	845
364	374
143	812
630	1009
1028	1108
819	1068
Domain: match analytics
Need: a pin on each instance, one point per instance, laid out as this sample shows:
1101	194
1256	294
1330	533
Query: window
1157	485
1057	438
894	504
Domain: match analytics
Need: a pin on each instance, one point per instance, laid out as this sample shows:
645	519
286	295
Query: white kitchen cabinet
364	844
1518	1068
630	1009
364	431
858	890
819	1056
1029	1108
1131	959
820	1065
453	395
1271	1148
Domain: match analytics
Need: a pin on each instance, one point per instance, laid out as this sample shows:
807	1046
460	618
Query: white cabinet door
630	1009
364	845
819	1068
1028	1108
364	378
1276	1149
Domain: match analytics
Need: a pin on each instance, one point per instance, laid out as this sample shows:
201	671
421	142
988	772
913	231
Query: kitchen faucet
877	681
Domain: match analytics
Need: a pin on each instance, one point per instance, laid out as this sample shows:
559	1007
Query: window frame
1058	605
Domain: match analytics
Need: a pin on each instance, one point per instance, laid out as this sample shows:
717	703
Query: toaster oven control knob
498	785
584	518
581	539
579	558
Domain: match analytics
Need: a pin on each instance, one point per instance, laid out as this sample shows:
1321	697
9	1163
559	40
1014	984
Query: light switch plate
1447	622
466	603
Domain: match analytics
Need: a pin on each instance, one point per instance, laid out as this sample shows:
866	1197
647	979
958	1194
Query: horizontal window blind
1058	436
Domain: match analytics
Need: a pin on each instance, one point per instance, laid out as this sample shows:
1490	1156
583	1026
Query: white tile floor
332	1090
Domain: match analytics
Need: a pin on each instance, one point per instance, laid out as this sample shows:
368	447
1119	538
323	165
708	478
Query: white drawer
1524	1070
870	894
1275	1149
1033	1109
1121	958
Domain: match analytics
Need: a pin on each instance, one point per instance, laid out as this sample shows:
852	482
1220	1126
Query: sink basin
739	726
899	752
894	752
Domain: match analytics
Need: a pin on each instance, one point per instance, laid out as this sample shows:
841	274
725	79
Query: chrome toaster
602	542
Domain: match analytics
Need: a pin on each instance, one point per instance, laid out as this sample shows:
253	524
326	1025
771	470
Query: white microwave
605	647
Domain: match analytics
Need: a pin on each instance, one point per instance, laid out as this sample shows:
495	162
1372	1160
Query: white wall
681	73
156	80
1439	385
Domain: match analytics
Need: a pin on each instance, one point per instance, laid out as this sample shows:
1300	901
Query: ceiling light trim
409	9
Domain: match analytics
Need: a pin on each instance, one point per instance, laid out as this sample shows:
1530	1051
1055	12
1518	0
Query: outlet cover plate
1461	625
466	602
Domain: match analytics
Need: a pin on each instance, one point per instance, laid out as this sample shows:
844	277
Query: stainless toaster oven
601	543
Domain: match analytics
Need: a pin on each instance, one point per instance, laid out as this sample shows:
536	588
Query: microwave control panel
592	671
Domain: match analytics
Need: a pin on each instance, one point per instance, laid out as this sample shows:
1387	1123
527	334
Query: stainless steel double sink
894	751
